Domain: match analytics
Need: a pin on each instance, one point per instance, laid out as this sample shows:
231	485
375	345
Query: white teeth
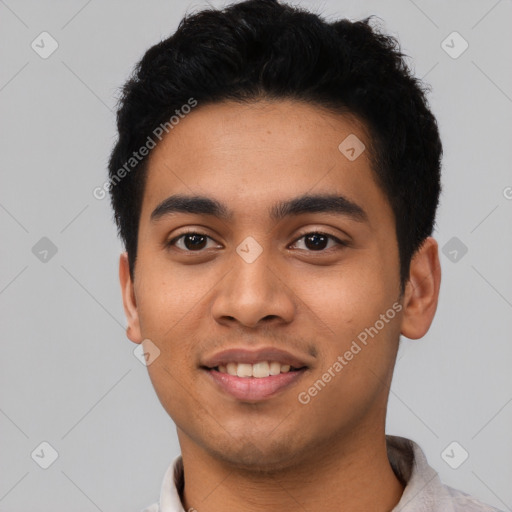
244	370
275	368
231	368
259	370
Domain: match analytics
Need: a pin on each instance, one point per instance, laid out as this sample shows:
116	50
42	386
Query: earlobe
129	301
422	290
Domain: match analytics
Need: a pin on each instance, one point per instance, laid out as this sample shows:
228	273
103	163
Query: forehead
250	156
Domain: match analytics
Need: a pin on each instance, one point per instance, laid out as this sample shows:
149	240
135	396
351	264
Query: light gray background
68	373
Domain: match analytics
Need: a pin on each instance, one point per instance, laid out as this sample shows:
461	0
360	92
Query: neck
353	475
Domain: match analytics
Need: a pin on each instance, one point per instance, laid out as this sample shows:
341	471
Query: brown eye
192	241
317	241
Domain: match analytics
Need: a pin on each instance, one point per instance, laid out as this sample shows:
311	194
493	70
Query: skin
276	454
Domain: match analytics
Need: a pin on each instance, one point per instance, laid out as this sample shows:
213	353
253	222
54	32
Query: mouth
254	382
254	375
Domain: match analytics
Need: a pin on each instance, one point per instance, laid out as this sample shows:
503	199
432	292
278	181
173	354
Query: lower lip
253	388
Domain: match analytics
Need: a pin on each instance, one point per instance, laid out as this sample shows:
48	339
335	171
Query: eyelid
323	233
172	242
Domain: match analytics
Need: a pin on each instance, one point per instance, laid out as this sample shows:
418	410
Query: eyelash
172	242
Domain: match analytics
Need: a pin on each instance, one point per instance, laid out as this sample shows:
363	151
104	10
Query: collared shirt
423	492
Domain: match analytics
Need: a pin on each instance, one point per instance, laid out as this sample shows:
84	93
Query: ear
422	290
129	301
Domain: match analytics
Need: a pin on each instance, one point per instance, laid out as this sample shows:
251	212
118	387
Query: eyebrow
317	203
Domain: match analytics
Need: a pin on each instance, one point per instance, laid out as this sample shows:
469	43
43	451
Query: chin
251	456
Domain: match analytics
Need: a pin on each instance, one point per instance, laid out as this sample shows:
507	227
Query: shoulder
423	489
463	502
152	508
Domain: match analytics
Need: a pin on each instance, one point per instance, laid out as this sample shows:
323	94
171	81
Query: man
275	184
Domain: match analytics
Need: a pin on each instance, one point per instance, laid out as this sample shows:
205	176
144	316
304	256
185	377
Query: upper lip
243	355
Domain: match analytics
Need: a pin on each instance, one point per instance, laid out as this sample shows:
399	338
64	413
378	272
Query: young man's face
312	297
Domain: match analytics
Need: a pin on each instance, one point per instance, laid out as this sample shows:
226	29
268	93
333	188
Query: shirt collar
423	491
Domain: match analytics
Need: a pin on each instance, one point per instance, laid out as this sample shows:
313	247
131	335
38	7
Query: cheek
171	307
168	295
351	308
347	297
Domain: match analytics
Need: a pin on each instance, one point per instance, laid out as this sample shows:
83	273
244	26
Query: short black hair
263	49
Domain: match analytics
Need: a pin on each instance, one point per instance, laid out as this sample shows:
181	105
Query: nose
254	293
